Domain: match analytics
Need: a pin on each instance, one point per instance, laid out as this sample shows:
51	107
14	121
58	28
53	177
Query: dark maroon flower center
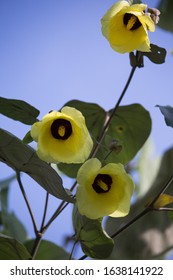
102	183
61	129
131	21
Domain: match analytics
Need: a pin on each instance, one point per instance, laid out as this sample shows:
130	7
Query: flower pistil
61	129
131	21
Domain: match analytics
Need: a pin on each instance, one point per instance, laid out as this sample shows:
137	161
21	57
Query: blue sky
53	51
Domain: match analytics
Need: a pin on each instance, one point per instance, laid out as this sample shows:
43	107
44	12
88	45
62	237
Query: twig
36	245
27	202
137	217
163	189
61	207
39	234
107	123
45	211
74	245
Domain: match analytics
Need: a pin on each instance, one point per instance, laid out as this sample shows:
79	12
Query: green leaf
94	241
166	9
3	205
157	54
93	113
48	251
18	110
10	223
11	249
23	158
69	169
167	111
130	127
4	198
13	227
132	2
27	138
4	190
147	157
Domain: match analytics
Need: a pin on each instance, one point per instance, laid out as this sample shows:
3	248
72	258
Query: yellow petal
51	116
163	200
123	40
35	130
138	8
111	13
91	166
123	190
73	149
73	113
122	37
147	22
112	201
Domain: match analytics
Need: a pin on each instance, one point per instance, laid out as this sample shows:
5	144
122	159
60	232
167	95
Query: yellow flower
62	137
126	27
103	191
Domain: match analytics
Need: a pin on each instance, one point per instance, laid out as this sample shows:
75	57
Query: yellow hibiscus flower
126	27
62	137
103	191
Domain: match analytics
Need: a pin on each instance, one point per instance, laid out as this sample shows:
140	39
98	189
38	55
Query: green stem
147	209
27	202
36	245
44	228
107	123
45	211
74	245
163	189
61	207
137	217
40	233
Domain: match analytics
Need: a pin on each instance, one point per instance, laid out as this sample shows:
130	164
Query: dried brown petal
154	14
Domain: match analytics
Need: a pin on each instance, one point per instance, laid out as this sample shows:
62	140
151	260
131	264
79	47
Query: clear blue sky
53	51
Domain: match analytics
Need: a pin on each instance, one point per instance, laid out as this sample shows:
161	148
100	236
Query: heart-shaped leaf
93	113
48	251
11	249
130	128
18	110
94	240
